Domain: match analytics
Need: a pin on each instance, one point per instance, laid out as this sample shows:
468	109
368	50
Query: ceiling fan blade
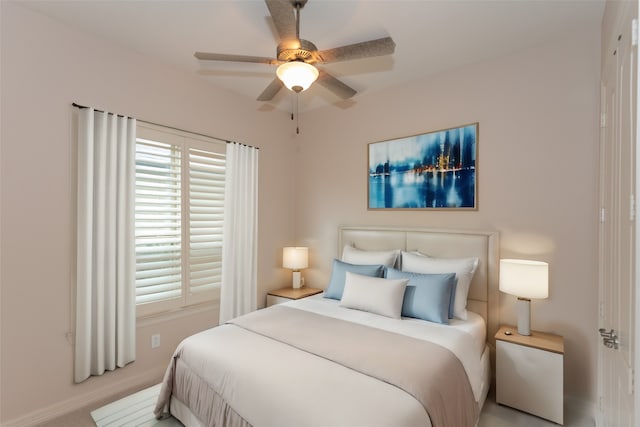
284	18
206	56
334	85
271	90
377	47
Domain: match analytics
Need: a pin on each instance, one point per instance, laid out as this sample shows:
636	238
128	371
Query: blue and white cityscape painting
428	171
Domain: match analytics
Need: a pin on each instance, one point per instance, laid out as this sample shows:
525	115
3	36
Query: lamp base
524	316
297	281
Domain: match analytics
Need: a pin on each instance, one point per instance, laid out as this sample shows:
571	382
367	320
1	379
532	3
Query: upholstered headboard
483	292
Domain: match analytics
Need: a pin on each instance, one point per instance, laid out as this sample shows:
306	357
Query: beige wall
538	151
537	177
46	67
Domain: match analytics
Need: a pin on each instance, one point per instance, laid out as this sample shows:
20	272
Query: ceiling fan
296	57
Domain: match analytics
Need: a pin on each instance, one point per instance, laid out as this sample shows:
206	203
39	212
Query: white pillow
360	257
374	294
463	267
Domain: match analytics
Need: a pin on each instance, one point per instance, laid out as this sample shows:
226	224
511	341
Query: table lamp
295	258
526	280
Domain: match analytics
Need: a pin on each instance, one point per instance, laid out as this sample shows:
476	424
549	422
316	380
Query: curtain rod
170	127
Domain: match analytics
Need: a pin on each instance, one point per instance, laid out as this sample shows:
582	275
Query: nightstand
529	372
287	294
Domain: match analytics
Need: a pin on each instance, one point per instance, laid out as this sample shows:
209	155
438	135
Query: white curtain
105	288
240	235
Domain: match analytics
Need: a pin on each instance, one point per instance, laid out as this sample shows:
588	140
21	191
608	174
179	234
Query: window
179	207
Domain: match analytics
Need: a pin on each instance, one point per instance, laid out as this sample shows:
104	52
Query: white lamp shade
295	258
297	75
524	279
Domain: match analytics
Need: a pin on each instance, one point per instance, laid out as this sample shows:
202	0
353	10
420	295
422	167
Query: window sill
178	313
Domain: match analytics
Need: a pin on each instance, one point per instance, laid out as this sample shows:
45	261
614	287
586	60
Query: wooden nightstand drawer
529	373
288	294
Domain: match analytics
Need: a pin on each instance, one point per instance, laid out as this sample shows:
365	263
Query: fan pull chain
297	113
292	113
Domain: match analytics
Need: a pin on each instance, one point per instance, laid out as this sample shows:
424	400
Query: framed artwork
433	170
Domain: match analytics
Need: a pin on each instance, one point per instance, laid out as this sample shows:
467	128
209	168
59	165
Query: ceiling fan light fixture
297	75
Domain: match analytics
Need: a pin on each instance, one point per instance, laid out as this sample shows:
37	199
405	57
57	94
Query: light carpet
133	410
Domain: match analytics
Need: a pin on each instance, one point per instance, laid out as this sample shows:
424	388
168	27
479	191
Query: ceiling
432	36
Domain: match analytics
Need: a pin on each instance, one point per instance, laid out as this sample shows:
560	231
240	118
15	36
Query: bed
348	365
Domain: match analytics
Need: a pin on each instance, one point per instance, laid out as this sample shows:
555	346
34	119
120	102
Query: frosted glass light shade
297	75
524	279
295	258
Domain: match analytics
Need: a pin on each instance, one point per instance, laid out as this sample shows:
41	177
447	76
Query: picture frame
435	170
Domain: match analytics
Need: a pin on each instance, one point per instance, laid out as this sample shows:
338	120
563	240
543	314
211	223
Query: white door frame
636	378
620	128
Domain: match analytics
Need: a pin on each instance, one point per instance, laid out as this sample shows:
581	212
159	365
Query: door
617	221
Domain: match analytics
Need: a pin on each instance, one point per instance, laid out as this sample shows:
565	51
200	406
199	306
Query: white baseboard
86	399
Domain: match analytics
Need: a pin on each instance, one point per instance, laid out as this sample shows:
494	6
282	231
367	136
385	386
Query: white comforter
466	339
274	385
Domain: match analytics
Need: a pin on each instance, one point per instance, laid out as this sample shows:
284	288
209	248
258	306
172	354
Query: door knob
606	334
609	338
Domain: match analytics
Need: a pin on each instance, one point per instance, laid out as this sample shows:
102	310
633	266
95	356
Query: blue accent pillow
338	276
427	296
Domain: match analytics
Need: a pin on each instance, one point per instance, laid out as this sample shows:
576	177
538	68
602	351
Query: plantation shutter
158	222
206	210
180	180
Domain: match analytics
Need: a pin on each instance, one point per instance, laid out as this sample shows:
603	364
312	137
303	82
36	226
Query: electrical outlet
155	341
